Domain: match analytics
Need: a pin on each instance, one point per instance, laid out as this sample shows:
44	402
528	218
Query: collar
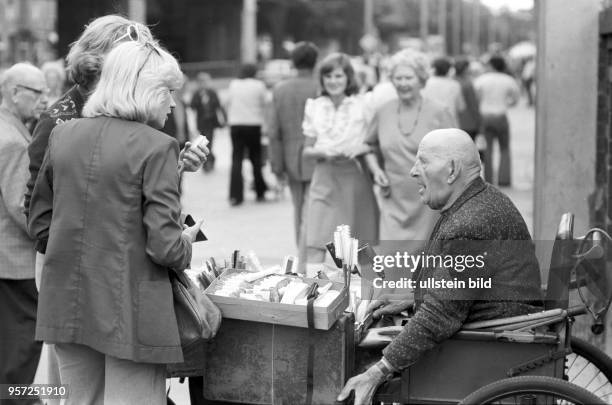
12	119
474	188
348	100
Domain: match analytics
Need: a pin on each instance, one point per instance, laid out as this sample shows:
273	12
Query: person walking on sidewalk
497	92
246	118
469	118
287	138
210	115
335	126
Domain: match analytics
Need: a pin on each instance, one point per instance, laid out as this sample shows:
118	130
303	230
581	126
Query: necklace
414	124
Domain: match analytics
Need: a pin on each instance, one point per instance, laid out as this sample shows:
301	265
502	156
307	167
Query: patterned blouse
336	129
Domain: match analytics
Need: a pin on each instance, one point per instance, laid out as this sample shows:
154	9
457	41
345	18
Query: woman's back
115	230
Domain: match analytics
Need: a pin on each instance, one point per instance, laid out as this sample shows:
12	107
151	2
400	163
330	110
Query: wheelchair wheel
531	390
590	368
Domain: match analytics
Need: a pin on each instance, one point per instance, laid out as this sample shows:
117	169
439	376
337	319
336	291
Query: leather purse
198	321
197	316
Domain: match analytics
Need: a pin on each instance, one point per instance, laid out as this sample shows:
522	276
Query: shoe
261	198
234	202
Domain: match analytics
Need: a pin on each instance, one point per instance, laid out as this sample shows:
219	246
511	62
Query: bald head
453	144
447	162
23	90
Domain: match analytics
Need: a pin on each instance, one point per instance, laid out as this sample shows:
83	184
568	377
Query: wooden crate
277	313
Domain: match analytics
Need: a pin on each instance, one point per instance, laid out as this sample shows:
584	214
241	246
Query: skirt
341	194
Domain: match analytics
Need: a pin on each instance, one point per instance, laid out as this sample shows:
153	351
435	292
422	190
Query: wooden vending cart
266	353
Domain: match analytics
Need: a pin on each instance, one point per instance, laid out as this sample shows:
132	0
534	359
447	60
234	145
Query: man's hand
193	158
390	305
192	231
364	385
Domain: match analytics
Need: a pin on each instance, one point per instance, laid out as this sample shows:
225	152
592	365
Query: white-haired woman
396	131
111	181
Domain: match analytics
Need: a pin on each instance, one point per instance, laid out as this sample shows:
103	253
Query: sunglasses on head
152	48
132	33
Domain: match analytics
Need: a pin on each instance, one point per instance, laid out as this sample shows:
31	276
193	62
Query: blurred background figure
246	106
286	136
443	89
335	126
469	117
23	91
497	91
210	115
528	79
397	128
55	78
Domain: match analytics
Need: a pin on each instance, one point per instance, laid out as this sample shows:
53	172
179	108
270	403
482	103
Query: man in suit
286	137
476	220
24	97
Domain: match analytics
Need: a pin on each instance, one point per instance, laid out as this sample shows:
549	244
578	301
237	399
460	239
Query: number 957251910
43	391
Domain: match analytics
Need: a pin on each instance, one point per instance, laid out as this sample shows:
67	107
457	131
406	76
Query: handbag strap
311	348
312	296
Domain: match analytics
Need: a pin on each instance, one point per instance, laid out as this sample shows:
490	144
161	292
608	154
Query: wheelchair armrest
508	336
380	337
517	322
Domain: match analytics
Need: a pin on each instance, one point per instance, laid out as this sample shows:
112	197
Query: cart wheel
590	368
531	390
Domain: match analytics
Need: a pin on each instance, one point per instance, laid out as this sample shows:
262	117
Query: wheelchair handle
576	310
596	251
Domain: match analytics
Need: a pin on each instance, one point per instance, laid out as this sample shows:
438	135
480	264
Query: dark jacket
469	118
286	136
482	221
209	111
68	107
113	188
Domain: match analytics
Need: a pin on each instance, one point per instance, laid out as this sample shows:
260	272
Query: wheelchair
529	359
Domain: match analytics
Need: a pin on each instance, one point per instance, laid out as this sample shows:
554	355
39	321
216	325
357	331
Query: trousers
19	352
96	379
496	127
246	138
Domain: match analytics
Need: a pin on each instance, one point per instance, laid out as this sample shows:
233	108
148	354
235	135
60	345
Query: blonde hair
417	61
86	55
135	81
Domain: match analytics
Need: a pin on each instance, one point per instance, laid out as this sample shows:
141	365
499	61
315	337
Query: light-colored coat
16	247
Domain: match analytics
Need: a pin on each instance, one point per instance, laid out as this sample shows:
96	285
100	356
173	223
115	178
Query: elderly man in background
23	90
447	170
287	138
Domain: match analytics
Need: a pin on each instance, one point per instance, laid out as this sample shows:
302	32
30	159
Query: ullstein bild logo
433	283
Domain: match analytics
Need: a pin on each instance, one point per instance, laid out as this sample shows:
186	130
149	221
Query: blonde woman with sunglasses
111	180
84	64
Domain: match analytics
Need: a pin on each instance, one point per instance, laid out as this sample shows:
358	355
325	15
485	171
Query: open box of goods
266	296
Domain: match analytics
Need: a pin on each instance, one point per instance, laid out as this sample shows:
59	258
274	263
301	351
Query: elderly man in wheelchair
480	222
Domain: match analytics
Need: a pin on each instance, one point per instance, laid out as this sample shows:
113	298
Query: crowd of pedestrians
99	149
